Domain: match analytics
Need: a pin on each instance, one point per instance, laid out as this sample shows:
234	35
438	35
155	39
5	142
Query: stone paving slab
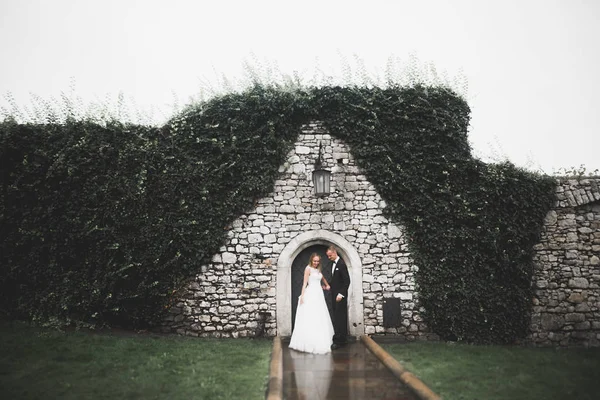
351	372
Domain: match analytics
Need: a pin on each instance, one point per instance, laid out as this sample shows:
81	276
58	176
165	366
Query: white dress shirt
334	265
333	269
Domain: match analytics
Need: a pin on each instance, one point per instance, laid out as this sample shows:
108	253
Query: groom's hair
332	248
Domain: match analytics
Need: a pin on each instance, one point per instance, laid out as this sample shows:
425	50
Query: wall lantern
321	177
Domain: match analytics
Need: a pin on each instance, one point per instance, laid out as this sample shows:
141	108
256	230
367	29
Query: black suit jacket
340	280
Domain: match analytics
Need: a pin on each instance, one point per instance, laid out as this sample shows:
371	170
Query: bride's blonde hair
313	255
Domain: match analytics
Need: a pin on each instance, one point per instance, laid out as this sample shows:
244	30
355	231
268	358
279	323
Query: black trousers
340	321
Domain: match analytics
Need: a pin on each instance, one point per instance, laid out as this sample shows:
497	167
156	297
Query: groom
339	282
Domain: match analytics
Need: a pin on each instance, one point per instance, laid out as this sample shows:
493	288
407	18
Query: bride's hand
301	299
326	287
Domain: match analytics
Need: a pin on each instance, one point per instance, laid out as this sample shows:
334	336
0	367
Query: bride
313	331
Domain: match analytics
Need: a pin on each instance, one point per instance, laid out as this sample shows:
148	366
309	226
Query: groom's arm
345	280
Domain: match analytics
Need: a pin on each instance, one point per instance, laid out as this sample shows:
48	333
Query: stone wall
566	306
245	291
236	295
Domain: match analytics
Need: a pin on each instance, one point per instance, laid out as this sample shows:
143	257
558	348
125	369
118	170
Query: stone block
286	209
225	309
574	317
204	318
251	285
551	218
298	168
406	296
271	238
572	237
552	322
351	186
582	335
302	150
567	222
572	254
229	258
583	326
393	231
579	283
583	307
255	238
576	298
371	205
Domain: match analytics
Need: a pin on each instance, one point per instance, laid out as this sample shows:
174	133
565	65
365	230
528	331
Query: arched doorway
297	275
285	263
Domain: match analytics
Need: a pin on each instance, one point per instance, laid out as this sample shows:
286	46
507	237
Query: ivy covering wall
103	224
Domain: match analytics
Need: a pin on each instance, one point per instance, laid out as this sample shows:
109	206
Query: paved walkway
351	372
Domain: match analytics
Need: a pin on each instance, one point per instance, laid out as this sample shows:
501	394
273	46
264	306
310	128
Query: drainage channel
351	372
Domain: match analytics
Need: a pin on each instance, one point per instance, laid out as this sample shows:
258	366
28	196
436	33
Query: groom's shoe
335	346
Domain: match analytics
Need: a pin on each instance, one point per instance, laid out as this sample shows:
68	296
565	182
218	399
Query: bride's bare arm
326	287
306	275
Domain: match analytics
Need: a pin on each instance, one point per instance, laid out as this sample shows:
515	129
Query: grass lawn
461	371
43	364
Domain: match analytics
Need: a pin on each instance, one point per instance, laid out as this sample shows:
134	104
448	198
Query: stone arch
284	284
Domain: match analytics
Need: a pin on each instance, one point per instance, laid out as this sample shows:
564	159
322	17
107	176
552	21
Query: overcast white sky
533	66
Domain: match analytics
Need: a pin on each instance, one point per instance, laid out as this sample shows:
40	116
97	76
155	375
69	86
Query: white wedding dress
313	330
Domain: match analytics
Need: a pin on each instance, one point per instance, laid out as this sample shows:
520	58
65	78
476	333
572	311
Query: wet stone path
351	372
